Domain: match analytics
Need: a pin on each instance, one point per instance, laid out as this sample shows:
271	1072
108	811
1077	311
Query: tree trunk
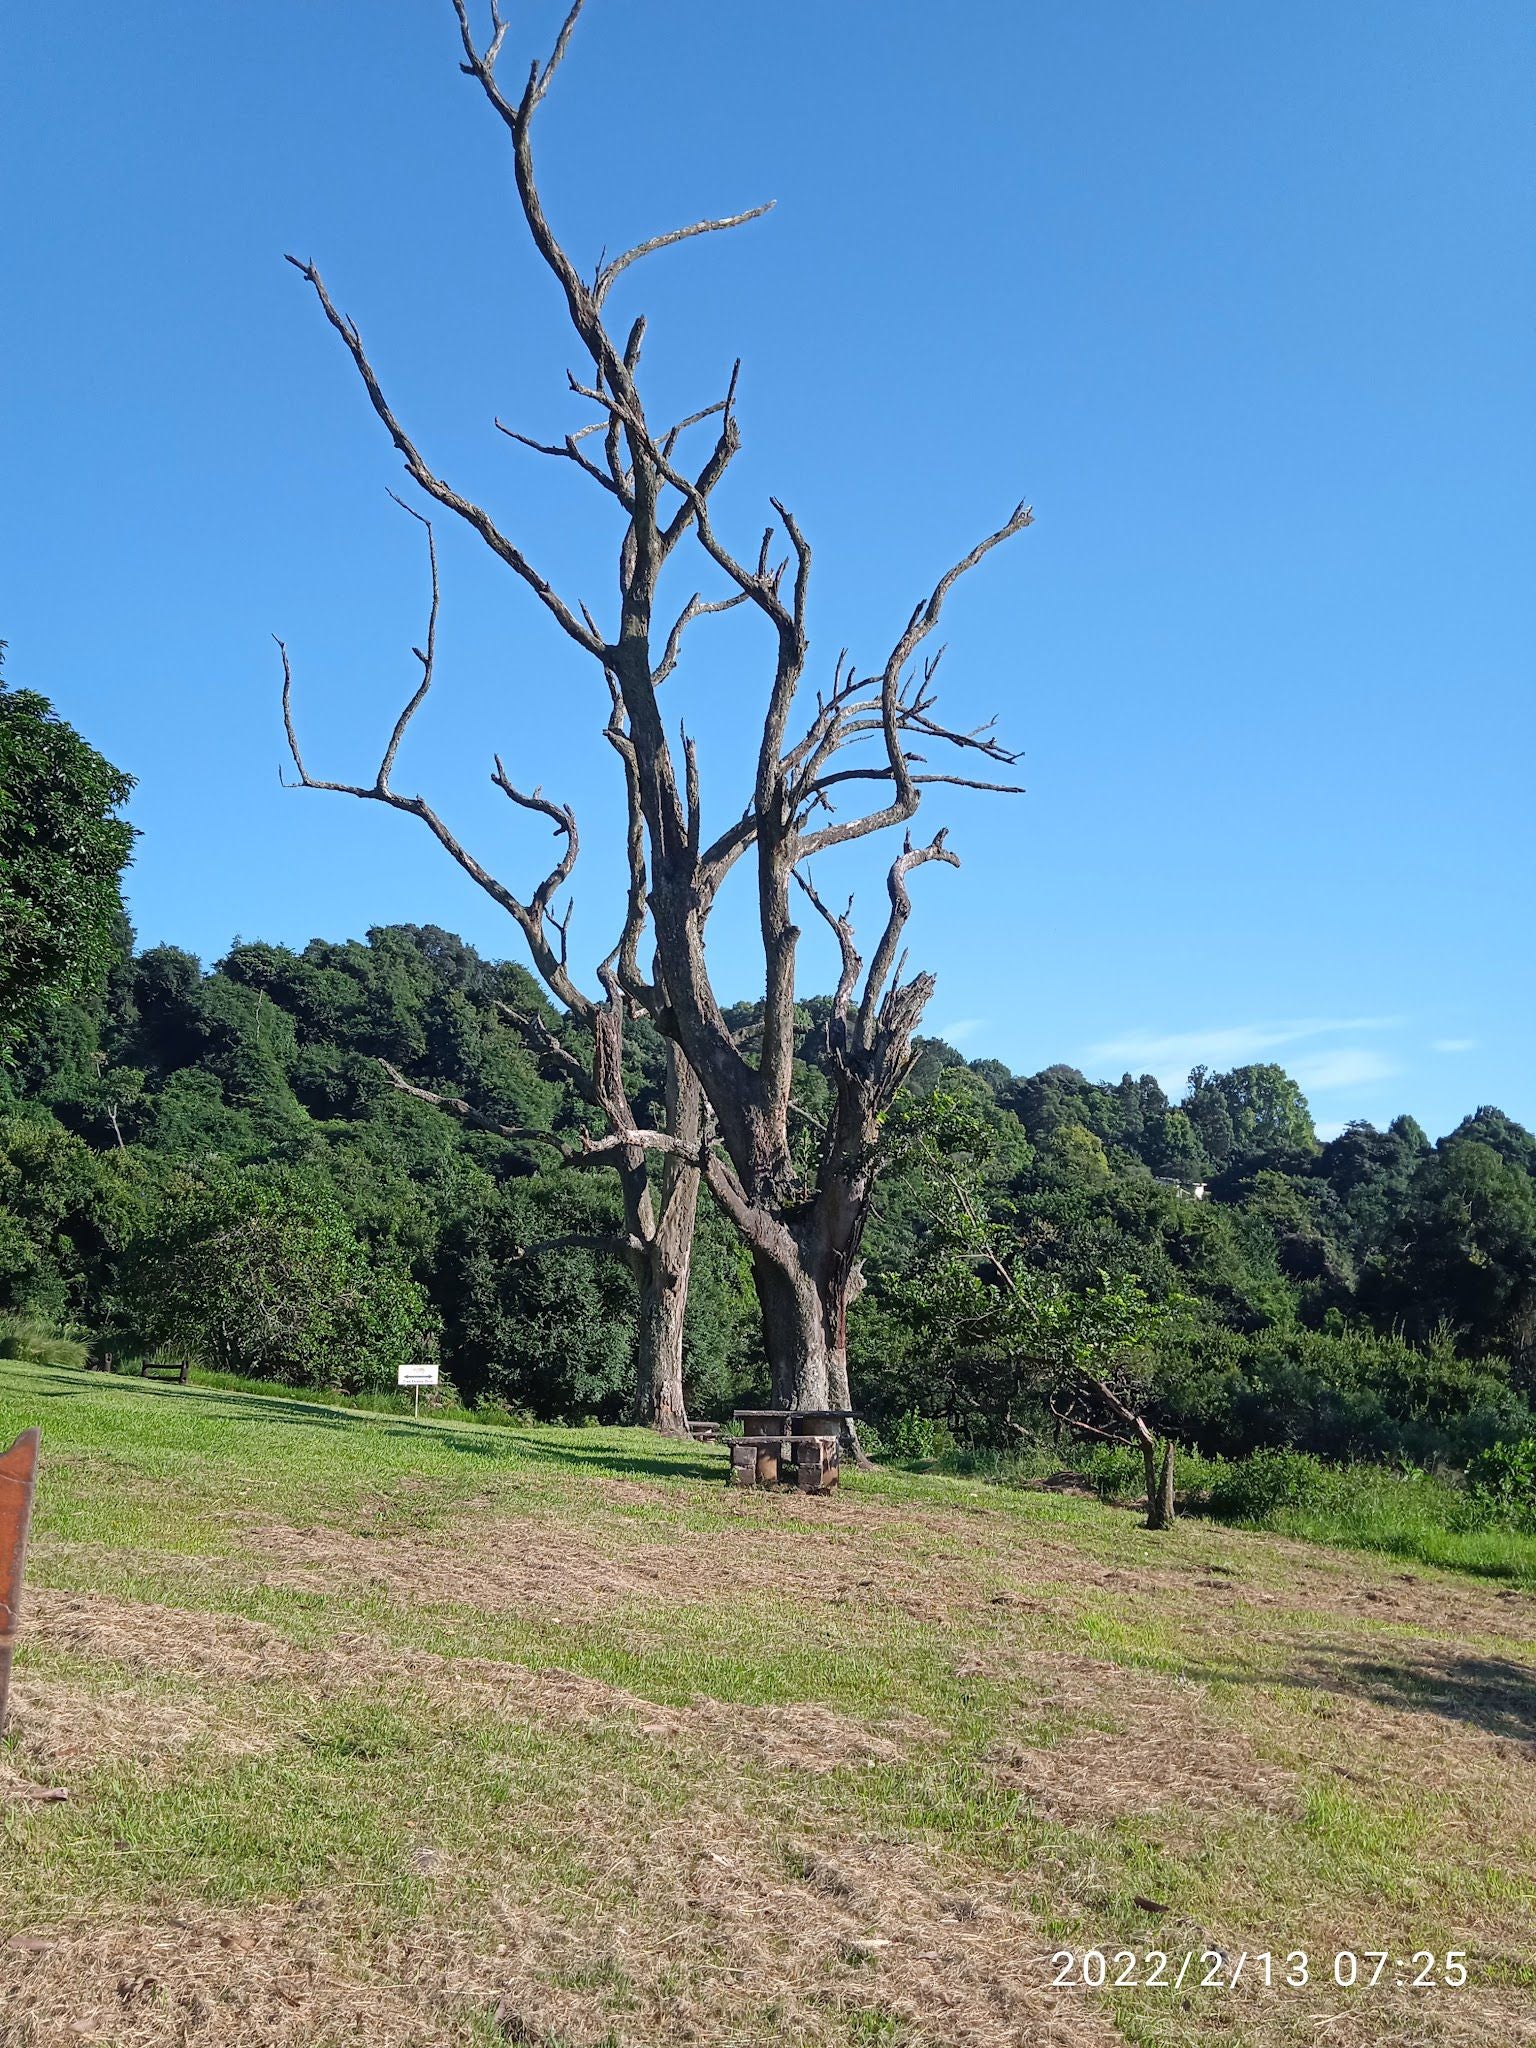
662	1270
837	1379
794	1334
1160	1506
805	1333
659	1343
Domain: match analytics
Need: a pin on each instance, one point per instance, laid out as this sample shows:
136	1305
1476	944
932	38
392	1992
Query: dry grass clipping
60	1723
1163	1746
220	1981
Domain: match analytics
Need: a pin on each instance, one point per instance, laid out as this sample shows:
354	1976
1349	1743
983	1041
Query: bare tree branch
466	1112
622	1242
568	451
695	608
534	917
434	486
909	858
842	928
607	272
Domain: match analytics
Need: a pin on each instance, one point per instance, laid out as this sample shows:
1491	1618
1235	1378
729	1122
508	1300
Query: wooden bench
165	1369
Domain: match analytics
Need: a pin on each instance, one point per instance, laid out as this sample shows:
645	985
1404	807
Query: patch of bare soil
935	1565
1311	1581
731	1943
1390	2016
1155	1742
1441	1728
720	1944
502	1565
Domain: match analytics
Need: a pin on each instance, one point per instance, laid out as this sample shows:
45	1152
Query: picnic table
806	1438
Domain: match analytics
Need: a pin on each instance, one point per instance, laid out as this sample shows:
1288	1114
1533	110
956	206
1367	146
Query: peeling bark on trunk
804	1308
663	1271
1160	1506
794	1334
659	1345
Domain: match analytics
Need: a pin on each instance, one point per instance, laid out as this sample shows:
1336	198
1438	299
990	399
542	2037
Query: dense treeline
230	1165
1374	1296
218	1162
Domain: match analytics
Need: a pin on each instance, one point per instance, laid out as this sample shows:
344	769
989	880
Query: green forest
215	1162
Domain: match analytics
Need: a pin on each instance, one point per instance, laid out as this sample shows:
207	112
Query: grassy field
385	1734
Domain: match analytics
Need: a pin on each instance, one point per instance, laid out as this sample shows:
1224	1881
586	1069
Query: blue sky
1241	298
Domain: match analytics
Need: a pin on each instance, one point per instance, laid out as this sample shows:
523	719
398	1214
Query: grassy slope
377	1733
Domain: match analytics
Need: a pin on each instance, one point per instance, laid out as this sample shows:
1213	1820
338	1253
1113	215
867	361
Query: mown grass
1413	1515
490	1699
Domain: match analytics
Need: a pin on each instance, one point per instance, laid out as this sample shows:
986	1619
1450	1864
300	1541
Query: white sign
416	1376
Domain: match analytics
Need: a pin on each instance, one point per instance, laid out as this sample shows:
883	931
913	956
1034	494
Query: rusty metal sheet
18	1478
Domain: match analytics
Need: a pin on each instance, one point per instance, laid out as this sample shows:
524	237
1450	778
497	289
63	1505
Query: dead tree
657	1240
803	1225
1123	1397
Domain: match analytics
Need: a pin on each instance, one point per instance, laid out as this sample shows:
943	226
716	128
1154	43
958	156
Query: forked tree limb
885	958
623	1243
464	508
455	1105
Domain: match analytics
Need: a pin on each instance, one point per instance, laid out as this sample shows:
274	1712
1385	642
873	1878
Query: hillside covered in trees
218	1163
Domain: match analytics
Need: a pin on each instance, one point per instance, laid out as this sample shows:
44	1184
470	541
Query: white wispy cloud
962	1029
1170	1054
1453	1045
1327	1131
1343	1066
1224	1044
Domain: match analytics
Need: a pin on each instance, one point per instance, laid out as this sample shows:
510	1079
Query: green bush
1116	1471
915	1437
1267	1484
1501	1481
256	1272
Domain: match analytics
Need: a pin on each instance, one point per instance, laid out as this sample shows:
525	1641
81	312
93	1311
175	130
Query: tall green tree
1015	1335
258	1272
1464	1253
62	849
1267	1112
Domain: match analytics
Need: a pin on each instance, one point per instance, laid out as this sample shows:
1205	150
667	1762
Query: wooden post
18	1478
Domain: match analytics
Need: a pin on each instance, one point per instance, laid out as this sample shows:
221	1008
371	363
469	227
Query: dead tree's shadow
1494	1694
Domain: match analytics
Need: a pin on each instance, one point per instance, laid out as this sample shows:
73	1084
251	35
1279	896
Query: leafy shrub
915	1437
1502	1482
1267	1484
1116	1471
255	1271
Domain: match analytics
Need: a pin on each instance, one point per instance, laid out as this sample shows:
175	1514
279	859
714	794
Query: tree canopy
62	849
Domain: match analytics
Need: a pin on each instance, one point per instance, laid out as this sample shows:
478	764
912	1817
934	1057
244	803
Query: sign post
18	1477
416	1377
